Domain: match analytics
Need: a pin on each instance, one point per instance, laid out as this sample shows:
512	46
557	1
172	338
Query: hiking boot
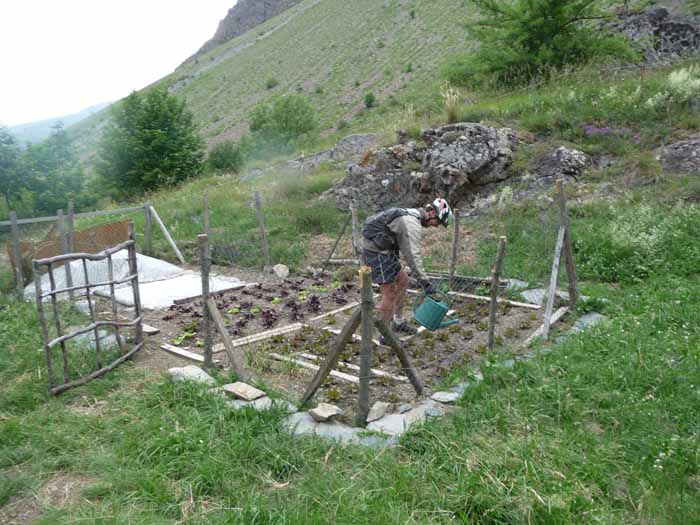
403	327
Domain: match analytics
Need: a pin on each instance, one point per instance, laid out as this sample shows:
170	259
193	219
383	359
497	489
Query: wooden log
170	240
374	371
16	255
455	247
205	265
149	228
551	294
555	319
43	324
70	225
181	352
261	336
333	312
217	293
343	262
406	366
367	307
495	276
333	356
57	325
62	388
311	366
568	245
355	337
263	236
236	360
136	292
337	241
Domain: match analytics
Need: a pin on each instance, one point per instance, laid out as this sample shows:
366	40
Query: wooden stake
455	247
263	237
205	265
133	270
235	358
406	365
113	299
356	239
333	356
167	235
551	294
367	307
568	244
337	241
148	228
16	255
57	324
65	249
42	322
495	277
71	227
207	227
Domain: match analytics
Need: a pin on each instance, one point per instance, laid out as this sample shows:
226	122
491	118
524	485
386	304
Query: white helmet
444	212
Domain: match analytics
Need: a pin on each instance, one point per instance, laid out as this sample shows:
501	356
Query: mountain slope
40	130
332	50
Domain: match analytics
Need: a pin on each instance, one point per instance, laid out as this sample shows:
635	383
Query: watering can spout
430	312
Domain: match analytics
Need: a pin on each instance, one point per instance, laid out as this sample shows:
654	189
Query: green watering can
430	313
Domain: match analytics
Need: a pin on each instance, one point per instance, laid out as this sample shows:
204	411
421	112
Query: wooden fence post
71	226
367	306
455	247
65	249
149	228
205	211
42	322
205	265
356	240
168	237
16	255
136	292
337	241
263	237
551	294
568	245
495	284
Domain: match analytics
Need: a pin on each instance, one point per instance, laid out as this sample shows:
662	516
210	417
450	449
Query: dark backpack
376	228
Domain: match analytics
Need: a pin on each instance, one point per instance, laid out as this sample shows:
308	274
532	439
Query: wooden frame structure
56	387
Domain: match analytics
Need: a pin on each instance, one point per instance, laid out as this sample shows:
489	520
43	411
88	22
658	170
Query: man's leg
400	287
386	305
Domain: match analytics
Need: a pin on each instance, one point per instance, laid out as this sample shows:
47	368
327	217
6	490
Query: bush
278	124
271	83
370	100
228	156
526	39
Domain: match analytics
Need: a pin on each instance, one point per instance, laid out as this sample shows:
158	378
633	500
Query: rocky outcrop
562	162
681	157
452	161
660	35
244	16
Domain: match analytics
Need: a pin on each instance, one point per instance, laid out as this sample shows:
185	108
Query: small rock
324	412
392	424
478	375
338	432
374	441
377	411
262	403
281	271
508	363
405	408
300	423
191	373
539	296
445	397
461	388
243	391
587	321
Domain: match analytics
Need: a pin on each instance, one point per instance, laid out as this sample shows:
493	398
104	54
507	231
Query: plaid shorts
385	266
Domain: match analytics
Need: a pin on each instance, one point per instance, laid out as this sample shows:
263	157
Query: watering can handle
419	299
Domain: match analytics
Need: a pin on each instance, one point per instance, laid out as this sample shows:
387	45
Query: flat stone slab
324	412
243	391
539	296
445	397
191	373
377	411
587	321
262	403
397	424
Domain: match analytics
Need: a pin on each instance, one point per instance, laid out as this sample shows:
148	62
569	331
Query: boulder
324	412
281	271
377	411
562	162
681	157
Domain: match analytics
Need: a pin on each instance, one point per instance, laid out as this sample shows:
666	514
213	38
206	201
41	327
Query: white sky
62	56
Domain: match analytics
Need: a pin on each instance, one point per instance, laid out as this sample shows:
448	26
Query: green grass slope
334	51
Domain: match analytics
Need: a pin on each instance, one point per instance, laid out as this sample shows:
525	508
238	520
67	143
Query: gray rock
587	321
377	442
324	412
539	296
243	391
191	373
338	432
461	388
377	411
281	271
516	284
262	403
353	146
563	162
445	397
82	306
478	376
405	408
508	363
682	157
392	424
300	423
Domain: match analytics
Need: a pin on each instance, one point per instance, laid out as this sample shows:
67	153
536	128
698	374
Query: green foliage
151	142
272	83
694	6
525	39
280	123
228	156
10	178
370	100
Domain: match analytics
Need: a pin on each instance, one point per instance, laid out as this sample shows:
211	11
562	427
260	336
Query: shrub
525	39
370	100
228	156
450	99
271	83
279	123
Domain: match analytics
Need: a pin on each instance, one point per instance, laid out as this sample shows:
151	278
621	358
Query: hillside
334	51
40	130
